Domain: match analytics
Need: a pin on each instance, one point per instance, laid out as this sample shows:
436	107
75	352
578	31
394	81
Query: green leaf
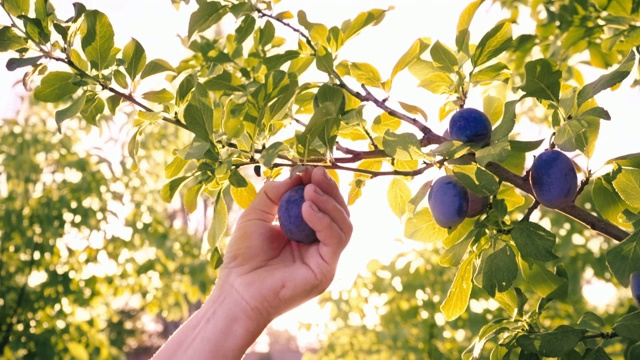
492	44
534	241
216	257
591	321
10	40
541	279
169	189
608	80
159	96
496	152
35	30
324	60
499	271
323	125
135	56
17	7
623	259
476	179
219	222
191	197
464	21
93	107
422	227
198	114
443	57
70	111
270	154
542	80
627	184
55	86
525	146
628	325
16	63
156	66
552	343
607	200
398	195
208	14
246	27
120	78
133	148
629	160
412	54
402	146
504	128
458	296
98	40
597	354
578	134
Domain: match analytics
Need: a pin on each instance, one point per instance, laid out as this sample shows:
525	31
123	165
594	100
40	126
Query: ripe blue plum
470	125
448	201
553	179
290	216
635	287
477	204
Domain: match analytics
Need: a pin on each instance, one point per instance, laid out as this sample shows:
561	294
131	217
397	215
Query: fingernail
326	174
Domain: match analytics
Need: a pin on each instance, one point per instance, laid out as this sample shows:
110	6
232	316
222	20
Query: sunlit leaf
458	296
398	194
55	86
98	40
627	184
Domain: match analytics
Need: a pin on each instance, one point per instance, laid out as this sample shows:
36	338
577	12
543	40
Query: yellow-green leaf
365	74
219	222
422	227
627	184
398	195
191	197
244	196
458	297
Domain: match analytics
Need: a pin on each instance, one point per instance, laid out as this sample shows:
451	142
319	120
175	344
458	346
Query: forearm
218	330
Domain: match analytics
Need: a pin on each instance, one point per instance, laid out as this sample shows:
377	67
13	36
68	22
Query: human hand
270	274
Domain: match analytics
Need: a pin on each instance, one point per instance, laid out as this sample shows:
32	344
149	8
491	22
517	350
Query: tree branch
127	97
588	219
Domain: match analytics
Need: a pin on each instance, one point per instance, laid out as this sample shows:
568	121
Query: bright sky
155	23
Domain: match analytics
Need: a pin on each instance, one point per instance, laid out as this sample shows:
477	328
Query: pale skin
264	274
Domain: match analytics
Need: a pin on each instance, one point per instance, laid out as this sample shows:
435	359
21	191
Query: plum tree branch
588	219
429	137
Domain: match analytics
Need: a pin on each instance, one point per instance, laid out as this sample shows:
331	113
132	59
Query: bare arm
265	274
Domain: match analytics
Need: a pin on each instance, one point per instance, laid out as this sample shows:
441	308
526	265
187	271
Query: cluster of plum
552	175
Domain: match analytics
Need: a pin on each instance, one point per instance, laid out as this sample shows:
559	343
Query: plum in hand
290	216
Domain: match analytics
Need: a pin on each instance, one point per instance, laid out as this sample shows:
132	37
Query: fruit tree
504	279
